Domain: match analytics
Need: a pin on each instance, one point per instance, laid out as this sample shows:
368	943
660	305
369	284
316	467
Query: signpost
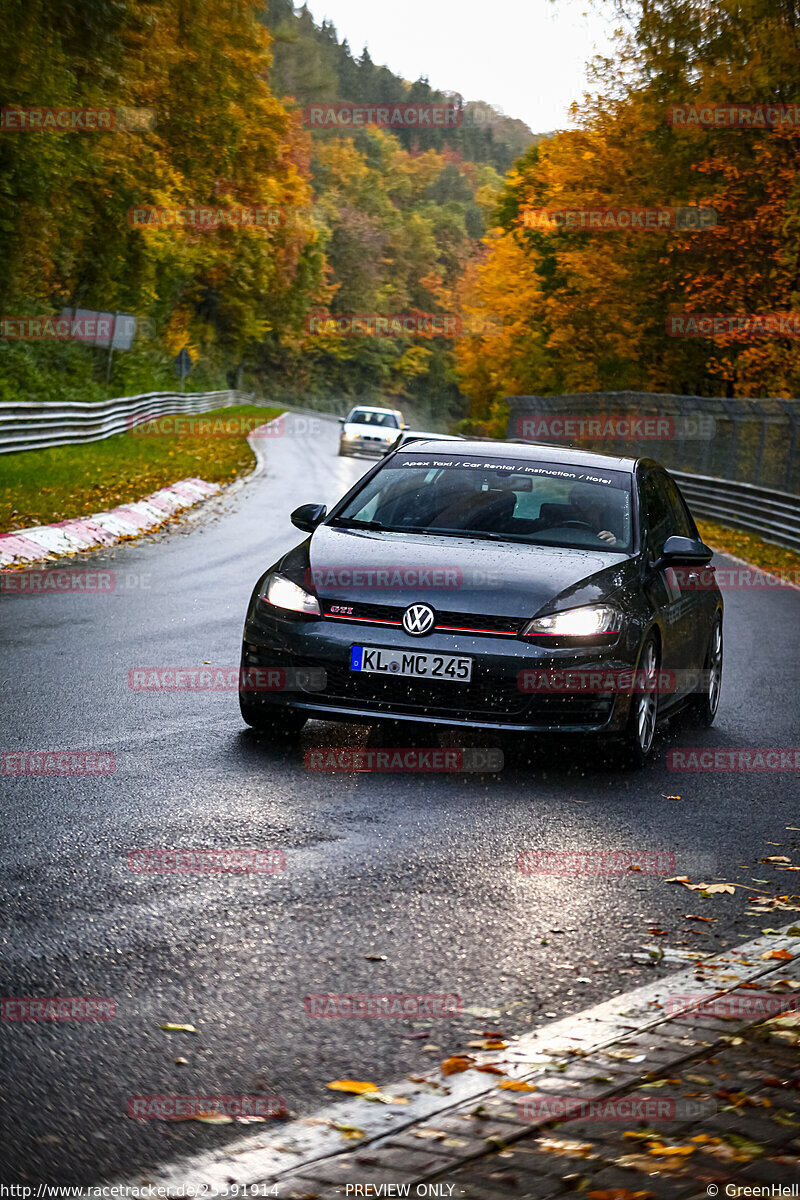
183	365
121	325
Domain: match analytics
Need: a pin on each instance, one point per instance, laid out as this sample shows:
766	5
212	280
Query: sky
526	57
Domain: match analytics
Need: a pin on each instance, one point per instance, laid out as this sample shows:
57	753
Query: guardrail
774	516
34	426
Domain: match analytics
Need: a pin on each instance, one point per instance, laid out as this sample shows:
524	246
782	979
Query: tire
281	723
637	741
343	453
706	701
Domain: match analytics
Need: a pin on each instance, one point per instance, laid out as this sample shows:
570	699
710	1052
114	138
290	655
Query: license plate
375	660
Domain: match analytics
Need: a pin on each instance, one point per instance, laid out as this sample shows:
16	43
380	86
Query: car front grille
446	621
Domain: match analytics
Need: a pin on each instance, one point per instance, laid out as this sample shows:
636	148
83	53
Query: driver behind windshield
583	500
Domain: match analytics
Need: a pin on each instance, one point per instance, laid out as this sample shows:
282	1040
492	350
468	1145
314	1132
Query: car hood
466	574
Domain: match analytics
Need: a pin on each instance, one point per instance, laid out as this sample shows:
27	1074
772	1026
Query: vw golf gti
472	584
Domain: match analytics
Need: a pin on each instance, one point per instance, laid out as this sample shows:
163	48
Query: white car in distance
373	431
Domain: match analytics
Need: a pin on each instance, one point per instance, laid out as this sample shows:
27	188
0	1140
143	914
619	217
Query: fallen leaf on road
213	1118
678	879
490	1069
171	1028
181	1062
663	797
429	1134
566	1146
517	1085
692	917
781	954
776	858
375	957
457	1063
618	1194
382	1098
351	1132
712	889
352	1085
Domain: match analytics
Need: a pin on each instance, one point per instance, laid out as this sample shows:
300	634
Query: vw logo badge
418	619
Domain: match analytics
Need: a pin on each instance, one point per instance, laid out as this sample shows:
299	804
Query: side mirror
308	516
342	420
684	552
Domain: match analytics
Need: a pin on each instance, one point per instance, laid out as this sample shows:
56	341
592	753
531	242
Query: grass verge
751	548
38	487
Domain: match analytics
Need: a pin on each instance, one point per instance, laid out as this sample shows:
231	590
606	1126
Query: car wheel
706	701
343	453
637	741
280	722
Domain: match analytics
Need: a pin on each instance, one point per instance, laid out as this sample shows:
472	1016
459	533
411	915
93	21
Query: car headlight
585	622
280	592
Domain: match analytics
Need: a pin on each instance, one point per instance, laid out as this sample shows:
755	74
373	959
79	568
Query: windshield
545	504
367	416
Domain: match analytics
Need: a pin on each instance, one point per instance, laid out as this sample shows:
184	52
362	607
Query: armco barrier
774	516
34	426
752	443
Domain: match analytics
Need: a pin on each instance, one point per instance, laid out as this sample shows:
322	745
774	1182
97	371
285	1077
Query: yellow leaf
517	1085
457	1063
352	1085
171	1028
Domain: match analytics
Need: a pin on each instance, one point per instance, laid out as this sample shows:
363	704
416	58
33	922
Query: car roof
524	450
372	408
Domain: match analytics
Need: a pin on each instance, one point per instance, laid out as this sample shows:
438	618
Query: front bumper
495	698
375	447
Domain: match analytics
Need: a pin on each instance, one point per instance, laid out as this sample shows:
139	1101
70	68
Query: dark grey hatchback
491	585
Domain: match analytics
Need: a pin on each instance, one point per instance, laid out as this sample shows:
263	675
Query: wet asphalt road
419	869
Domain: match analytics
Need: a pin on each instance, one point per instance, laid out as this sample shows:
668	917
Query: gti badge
418	619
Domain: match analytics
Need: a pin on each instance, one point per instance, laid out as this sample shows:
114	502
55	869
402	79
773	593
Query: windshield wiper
481	534
348	523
